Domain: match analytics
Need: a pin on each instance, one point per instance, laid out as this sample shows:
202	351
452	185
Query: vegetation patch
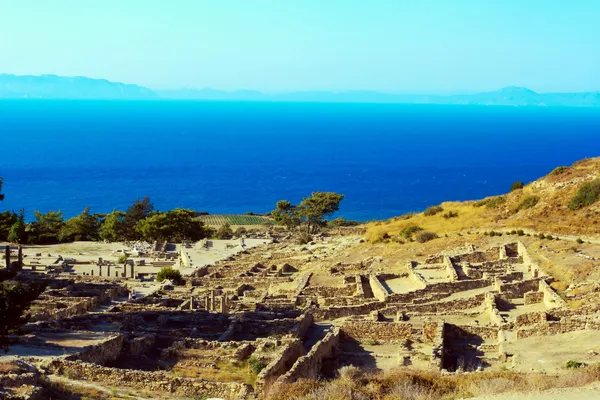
433	210
527	202
491	202
588	194
409	231
518	185
168	273
426	236
450	214
559	170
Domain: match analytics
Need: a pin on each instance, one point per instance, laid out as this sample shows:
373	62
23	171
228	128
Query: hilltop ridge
79	87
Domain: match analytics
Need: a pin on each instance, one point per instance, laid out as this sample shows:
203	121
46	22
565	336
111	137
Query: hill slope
541	206
61	87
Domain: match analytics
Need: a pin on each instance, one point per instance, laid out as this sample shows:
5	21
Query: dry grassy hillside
541	206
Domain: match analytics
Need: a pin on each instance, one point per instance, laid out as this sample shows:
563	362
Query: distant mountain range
58	87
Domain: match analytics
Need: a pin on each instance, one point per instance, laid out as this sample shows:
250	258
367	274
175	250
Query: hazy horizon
426	47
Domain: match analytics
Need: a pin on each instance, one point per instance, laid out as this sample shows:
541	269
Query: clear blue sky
420	46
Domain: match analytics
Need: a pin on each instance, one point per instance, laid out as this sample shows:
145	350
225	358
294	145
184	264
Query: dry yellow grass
422	385
550	215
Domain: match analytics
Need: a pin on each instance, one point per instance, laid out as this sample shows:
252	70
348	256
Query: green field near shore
234	219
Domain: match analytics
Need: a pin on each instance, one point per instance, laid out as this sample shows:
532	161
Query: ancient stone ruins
261	316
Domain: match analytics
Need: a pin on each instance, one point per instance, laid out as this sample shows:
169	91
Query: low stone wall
467	331
309	366
379	291
533	297
100	353
345	311
382	332
516	290
566	324
437	344
156	381
531	319
280	365
330	292
439	306
305	321
302	282
492	309
415	276
139	345
449	266
551	298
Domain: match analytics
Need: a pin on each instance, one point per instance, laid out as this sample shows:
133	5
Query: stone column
108	271
191	302
213	305
99	270
7	256
206	303
20	258
132	271
223	305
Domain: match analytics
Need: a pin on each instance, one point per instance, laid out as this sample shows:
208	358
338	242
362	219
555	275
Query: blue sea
235	157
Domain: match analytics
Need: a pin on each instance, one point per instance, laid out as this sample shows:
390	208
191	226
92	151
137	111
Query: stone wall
516	290
437	344
533	297
460	332
379	291
309	366
280	365
100	353
551	298
449	266
382	332
415	276
530	319
155	381
492	309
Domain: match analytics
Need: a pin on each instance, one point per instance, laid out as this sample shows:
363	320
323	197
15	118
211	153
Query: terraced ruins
270	315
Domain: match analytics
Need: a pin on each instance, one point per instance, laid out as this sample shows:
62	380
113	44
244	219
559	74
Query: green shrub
409	231
574	364
559	170
520	232
491	202
580	241
527	202
450	214
425	236
550	237
433	210
513	232
542	236
256	364
516	186
168	273
224	232
588	194
122	259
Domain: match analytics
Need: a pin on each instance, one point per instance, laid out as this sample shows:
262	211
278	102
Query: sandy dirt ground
590	392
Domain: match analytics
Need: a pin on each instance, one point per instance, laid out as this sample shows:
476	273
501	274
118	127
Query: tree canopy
311	211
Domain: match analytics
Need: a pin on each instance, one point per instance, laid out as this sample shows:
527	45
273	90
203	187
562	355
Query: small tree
516	186
17	233
168	273
224	232
588	194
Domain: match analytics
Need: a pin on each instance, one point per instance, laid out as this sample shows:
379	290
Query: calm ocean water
239	157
